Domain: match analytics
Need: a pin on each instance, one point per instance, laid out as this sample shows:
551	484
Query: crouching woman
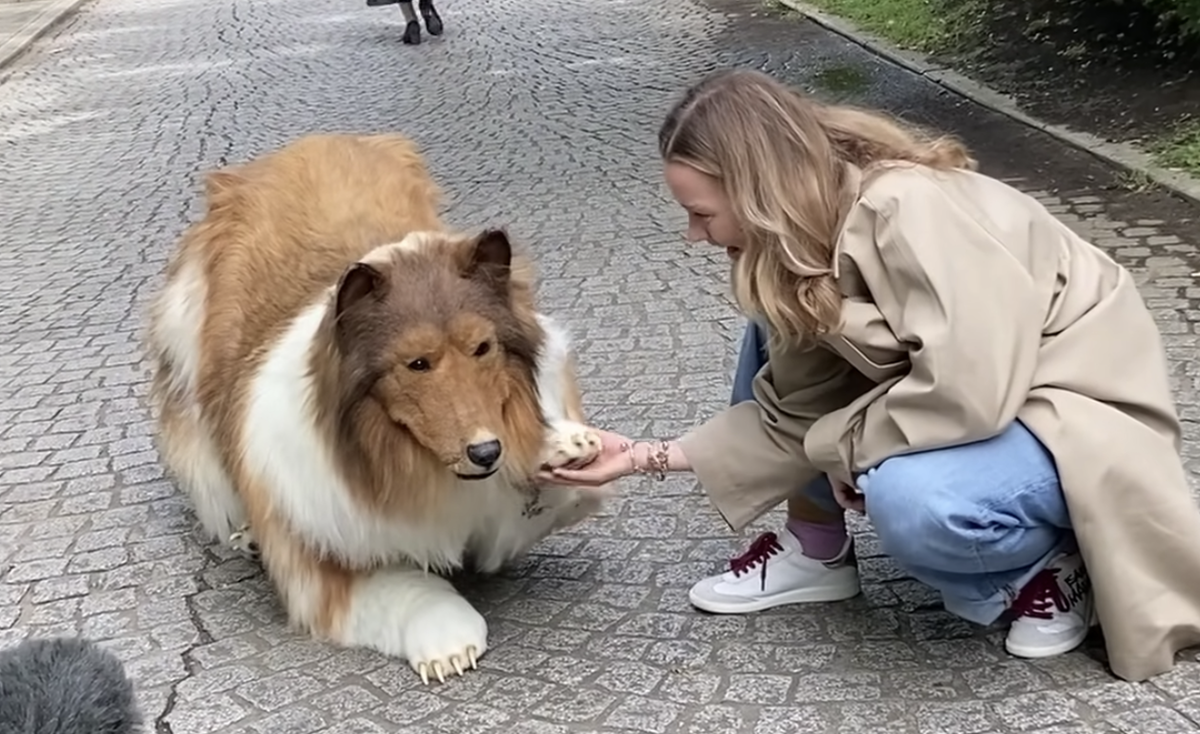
935	348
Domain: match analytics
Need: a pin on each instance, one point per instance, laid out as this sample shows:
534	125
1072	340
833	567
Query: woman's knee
983	506
914	512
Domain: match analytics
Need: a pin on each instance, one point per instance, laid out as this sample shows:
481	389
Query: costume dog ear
490	257
358	282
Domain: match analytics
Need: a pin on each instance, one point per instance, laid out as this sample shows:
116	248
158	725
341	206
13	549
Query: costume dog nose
484	453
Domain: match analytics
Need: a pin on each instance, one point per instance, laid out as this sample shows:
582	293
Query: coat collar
852	182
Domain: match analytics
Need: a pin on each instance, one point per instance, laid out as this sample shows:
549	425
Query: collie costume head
432	344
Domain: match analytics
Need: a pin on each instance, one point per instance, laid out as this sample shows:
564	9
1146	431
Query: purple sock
820	541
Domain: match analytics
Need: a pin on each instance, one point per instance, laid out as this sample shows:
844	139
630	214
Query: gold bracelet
659	462
627	447
663	463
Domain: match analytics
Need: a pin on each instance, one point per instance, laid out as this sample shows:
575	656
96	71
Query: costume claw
471	657
437	670
458	668
423	669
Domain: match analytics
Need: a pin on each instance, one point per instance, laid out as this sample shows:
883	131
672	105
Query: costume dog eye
419	365
483	348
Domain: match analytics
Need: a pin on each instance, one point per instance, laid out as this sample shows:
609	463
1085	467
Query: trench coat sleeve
967	310
750	457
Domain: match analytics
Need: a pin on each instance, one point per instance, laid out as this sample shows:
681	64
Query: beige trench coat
968	306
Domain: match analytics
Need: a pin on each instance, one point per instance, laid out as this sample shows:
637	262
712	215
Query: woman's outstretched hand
610	464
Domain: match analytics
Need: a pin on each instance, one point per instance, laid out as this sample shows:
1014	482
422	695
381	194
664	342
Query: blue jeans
976	522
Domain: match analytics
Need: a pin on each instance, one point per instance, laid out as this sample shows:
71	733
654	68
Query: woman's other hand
612	463
847	496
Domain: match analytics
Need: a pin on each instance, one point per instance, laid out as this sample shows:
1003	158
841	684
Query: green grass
841	79
927	26
946	26
1179	149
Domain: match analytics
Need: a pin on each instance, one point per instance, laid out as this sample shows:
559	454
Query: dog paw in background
242	540
65	686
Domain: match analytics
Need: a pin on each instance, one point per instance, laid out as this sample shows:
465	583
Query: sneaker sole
1062	648
1036	653
822	595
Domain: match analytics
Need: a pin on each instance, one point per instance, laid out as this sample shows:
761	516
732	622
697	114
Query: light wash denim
975	521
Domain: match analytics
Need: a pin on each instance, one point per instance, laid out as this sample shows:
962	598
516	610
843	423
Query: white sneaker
1054	612
774	571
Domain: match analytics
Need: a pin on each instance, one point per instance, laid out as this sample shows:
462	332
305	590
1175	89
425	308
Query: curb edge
12	48
1123	155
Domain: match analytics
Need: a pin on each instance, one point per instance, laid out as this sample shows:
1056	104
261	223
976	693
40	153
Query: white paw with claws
570	444
447	638
242	540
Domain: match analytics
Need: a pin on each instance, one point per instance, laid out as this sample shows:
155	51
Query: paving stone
1037	710
1154	720
539	116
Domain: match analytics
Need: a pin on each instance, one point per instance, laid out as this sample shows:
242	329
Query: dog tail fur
65	686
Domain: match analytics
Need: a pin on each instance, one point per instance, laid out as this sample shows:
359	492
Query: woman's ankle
820	541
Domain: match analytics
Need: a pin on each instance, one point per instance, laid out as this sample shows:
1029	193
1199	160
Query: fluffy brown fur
423	344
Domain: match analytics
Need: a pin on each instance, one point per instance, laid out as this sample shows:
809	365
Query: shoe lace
763	547
1041	597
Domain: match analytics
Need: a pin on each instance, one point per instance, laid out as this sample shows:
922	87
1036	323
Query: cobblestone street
538	115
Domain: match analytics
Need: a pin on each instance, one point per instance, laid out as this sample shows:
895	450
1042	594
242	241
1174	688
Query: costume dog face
430	337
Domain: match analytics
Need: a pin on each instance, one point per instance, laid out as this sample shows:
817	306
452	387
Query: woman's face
710	216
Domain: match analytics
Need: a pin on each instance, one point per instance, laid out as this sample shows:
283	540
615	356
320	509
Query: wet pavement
538	115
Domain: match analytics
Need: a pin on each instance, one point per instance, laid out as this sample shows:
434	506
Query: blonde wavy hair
779	157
